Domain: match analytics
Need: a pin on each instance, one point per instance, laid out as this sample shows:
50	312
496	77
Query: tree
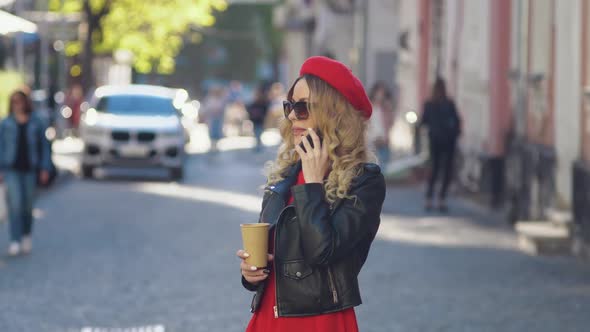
151	30
246	42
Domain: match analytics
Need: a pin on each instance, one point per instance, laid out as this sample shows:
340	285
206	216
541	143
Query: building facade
519	71
361	34
581	169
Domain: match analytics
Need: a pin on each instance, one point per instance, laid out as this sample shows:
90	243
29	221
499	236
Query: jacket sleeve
328	237
249	286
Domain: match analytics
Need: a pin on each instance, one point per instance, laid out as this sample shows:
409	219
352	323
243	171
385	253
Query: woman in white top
381	122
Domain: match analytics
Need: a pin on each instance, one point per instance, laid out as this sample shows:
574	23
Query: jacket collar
283	187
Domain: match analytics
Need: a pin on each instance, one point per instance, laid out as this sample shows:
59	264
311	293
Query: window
136	105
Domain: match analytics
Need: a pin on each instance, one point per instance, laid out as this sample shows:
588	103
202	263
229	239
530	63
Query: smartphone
308	137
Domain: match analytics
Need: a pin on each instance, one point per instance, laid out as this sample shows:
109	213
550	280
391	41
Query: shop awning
11	24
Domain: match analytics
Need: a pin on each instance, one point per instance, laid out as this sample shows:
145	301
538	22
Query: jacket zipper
276	307
330	277
332	286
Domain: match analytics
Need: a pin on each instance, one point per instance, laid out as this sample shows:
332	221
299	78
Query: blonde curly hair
343	129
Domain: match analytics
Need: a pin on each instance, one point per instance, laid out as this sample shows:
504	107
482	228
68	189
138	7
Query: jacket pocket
297	270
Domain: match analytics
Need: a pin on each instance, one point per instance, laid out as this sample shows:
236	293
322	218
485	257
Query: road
131	251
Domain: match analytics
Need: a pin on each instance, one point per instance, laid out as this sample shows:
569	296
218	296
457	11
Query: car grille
146	136
121	136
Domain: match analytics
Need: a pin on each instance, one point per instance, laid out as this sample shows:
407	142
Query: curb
409	170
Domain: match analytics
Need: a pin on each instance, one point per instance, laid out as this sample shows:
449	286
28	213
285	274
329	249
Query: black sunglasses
300	108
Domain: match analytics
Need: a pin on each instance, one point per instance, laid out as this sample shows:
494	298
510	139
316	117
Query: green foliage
152	30
250	38
9	82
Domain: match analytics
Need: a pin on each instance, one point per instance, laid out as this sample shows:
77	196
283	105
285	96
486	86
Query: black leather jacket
319	249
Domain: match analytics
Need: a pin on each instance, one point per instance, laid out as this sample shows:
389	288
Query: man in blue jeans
24	155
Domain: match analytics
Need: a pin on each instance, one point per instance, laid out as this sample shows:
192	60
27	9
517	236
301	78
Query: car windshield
136	105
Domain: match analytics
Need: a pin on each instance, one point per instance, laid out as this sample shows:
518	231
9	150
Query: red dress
263	320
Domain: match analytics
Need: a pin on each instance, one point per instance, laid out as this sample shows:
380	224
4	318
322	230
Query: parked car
134	126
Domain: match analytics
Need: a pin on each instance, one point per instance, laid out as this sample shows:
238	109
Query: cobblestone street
126	252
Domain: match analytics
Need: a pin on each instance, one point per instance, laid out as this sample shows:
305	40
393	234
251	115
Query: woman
441	118
323	203
74	101
24	154
214	113
381	121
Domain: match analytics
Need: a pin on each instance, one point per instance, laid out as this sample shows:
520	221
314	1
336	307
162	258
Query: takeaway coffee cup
255	239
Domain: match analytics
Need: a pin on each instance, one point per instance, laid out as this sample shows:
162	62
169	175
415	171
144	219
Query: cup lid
258	224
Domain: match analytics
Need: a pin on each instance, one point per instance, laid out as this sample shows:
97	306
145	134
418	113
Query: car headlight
91	117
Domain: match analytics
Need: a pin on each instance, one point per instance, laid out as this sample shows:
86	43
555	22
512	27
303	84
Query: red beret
341	78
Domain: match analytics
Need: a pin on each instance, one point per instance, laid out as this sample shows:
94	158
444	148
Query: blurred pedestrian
74	101
257	111
381	122
442	120
24	155
323	202
214	112
235	93
276	96
235	110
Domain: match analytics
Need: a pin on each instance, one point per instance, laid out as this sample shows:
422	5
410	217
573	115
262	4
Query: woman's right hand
252	274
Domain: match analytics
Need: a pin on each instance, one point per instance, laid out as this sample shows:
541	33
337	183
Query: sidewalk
411	171
405	168
432	266
410	168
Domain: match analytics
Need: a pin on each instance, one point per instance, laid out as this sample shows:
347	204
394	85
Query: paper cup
255	239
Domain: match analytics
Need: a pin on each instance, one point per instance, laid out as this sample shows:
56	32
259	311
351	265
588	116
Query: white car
134	126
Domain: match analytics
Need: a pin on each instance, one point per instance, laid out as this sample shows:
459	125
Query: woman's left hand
315	161
44	177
